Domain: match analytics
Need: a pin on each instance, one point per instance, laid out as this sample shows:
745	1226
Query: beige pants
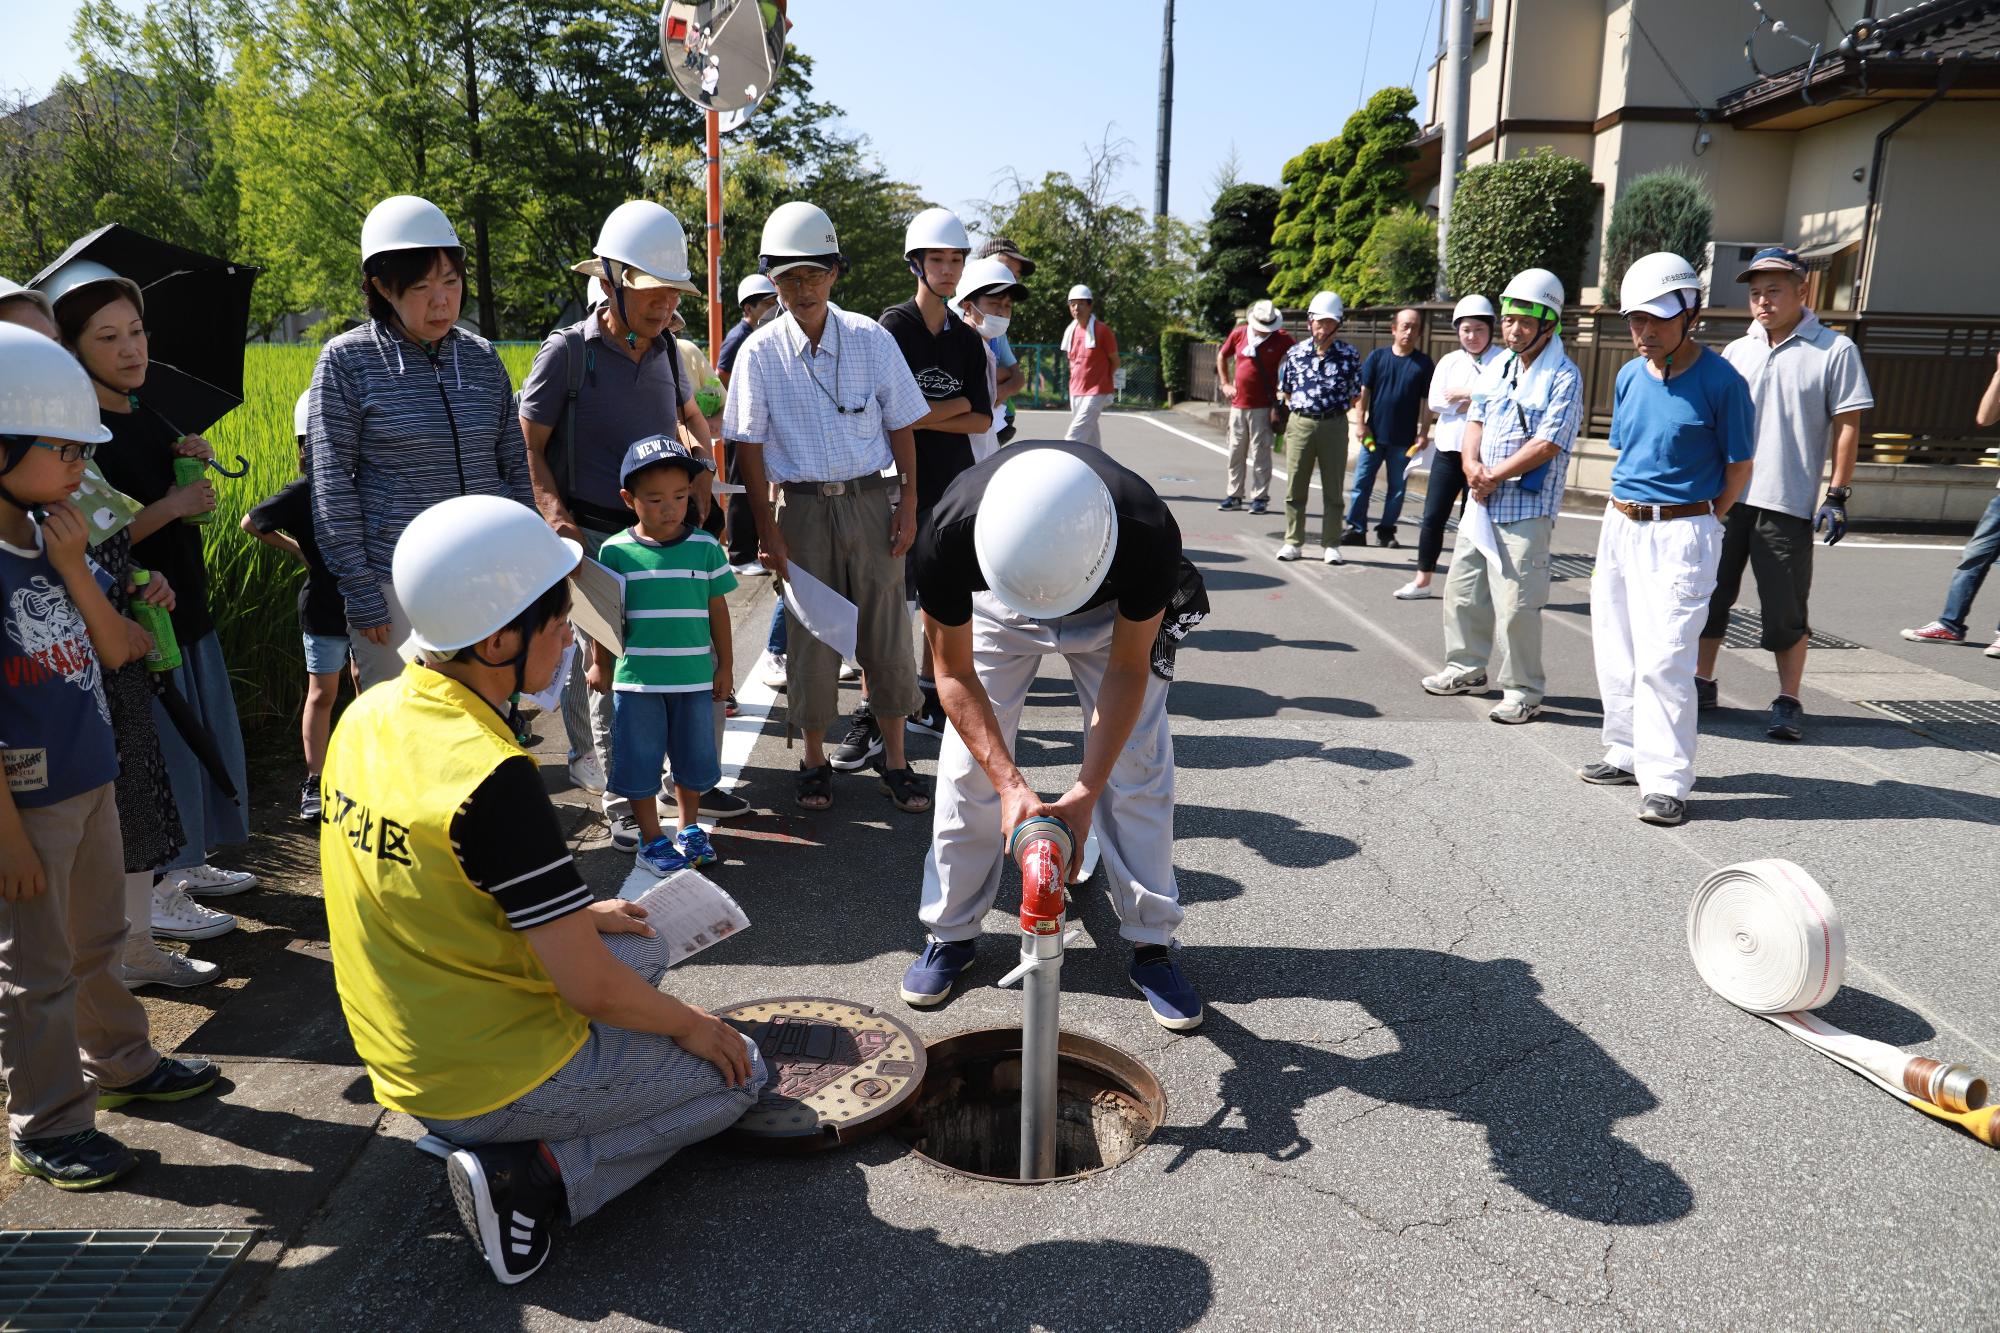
68	1026
375	663
844	542
1250	452
1489	604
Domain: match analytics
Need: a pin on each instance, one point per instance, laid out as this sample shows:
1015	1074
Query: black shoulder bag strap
577	348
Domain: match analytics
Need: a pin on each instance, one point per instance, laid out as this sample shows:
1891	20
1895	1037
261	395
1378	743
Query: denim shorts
648	729
326	654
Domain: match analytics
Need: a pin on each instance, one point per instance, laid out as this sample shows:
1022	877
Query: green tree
1661	210
1235	249
1529	212
1334	193
1311	191
1398	262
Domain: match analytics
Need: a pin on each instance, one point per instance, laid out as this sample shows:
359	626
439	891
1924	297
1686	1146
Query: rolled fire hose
1767	938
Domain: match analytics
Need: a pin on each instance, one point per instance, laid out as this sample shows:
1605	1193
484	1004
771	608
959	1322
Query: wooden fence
1927	371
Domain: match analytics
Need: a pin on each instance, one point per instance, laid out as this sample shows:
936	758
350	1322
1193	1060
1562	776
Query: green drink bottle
187	471
165	654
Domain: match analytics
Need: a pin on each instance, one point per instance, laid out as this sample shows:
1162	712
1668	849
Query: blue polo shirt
1674	438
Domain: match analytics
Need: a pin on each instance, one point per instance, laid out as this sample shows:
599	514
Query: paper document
598	606
725	488
690	912
827	616
1477	527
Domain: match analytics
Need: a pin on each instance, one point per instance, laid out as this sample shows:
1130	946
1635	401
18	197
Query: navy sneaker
1260	506
508	1197
86	1160
1784	721
693	844
929	980
662	857
1229	502
1159	978
171	1081
1707	694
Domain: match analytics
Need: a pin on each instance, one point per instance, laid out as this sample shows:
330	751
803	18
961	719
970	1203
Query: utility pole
1454	89
1166	143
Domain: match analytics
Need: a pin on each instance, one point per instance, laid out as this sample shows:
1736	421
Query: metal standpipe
1041	847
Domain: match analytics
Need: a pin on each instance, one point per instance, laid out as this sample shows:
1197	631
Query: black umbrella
197	317
198	737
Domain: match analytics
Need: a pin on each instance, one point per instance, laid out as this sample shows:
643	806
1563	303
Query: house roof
1895	56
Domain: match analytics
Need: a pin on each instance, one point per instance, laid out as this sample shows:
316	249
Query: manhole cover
1746	630
1969	724
840	1071
150	1280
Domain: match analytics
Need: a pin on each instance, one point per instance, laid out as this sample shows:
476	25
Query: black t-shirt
509	844
1144	569
951	364
139	460
321	610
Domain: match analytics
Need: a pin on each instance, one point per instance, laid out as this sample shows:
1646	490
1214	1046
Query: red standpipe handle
1042	849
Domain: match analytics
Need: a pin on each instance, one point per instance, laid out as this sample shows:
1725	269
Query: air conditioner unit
1726	259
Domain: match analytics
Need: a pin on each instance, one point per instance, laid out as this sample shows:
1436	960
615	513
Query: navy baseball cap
1774	259
657	449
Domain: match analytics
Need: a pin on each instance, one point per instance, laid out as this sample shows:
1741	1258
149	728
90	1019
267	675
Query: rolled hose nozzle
1042	847
1954	1087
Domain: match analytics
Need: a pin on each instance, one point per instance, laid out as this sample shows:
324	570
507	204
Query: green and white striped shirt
668	588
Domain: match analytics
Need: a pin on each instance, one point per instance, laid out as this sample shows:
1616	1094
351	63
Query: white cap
467	566
754	286
1473	307
1326	305
1658	284
1045	533
79	273
9	290
1537	286
648	242
302	414
44	390
1264	317
405	222
983	276
1080	293
935	229
797	233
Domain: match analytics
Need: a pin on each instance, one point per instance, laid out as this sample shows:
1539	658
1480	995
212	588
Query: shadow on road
1208	640
1795	798
1214	701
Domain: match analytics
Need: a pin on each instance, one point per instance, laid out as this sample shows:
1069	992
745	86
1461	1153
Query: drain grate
1969	724
1746	630
1571	566
132	1281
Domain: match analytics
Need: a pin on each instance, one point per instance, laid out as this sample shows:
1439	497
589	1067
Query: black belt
1322	416
873	481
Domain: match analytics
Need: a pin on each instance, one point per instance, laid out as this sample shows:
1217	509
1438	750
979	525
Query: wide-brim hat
630	277
1265	317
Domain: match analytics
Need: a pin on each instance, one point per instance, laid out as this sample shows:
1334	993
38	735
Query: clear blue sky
1027	83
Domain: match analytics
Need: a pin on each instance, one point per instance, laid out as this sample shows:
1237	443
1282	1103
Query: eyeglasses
798	279
69	452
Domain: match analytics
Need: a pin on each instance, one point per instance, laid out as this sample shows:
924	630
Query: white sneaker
147	964
774	671
1414	592
587	773
750	569
1994	650
849	672
179	917
1289	552
1332	556
207	881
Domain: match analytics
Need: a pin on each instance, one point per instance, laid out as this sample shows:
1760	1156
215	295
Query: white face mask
988	326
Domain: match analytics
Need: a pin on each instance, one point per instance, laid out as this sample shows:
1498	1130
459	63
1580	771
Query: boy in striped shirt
676	661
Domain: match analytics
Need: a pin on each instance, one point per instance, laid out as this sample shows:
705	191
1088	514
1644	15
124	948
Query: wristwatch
1839	492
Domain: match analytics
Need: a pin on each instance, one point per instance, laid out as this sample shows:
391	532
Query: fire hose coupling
1042	847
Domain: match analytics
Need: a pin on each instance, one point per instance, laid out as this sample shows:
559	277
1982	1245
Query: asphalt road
1457	1069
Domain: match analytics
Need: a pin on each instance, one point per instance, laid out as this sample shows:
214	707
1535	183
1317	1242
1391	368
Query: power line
1673	74
1367	49
1416	66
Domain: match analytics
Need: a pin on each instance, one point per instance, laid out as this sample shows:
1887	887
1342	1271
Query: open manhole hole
967	1118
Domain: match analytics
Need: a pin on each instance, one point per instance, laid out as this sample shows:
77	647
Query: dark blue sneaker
1159	978
171	1081
86	1160
1229	502
694	845
661	857
1784	721
929	980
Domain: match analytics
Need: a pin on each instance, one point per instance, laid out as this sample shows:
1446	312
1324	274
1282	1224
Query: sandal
903	788
815	790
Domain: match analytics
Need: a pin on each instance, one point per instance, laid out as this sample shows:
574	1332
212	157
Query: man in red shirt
1247	365
1093	367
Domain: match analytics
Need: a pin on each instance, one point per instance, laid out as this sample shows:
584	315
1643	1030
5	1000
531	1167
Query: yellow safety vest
448	1005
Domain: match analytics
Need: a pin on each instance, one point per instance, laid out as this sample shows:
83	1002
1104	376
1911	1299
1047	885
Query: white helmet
467	566
44	390
405	222
985	276
83	273
797	233
1326	305
935	229
1661	284
1536	286
302	414
649	241
10	290
1474	307
1080	293
753	288
1045	533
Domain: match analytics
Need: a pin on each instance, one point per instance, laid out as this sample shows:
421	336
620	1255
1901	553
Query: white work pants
1648	602
1085	409
1134	819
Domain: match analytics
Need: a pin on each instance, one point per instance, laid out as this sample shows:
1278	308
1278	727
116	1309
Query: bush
1335	192
1661	210
1235	248
1398	261
1530	212
1175	340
